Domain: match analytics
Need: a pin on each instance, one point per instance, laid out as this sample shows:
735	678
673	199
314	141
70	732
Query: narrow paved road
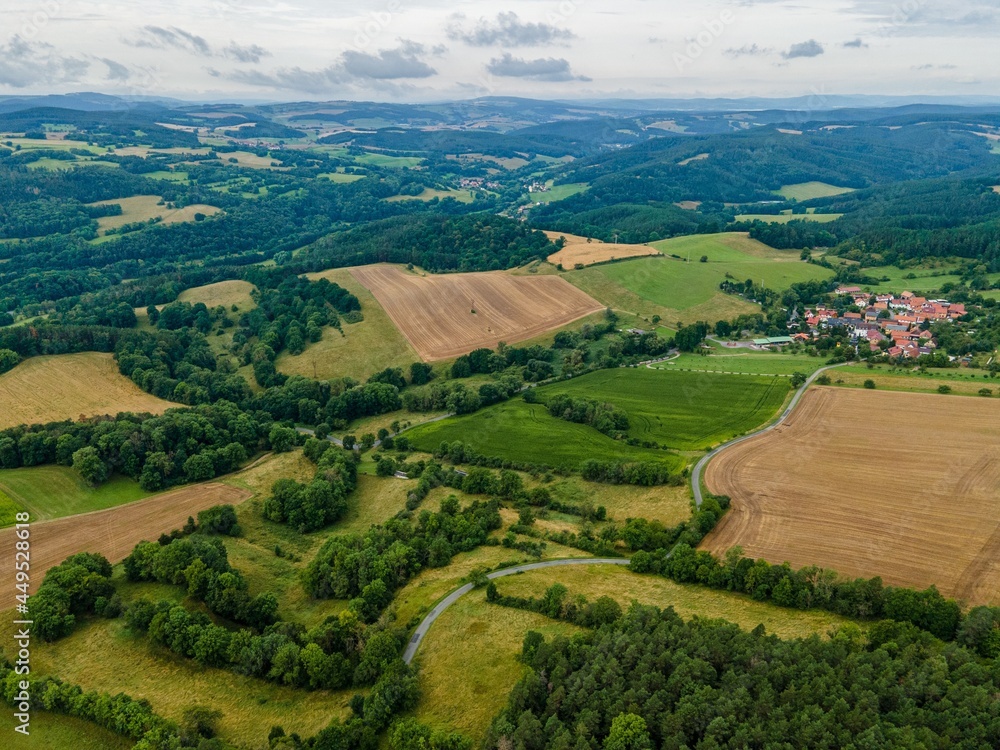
696	473
454	596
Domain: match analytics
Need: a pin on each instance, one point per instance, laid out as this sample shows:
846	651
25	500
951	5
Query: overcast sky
417	50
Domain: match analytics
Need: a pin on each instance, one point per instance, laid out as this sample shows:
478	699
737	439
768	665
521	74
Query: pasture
70	386
141	208
526	433
462	196
49	730
342	179
924	510
683	287
785	218
104	655
743	361
225	293
448	315
558	192
681	410
53	491
963	382
925	279
806	191
362	350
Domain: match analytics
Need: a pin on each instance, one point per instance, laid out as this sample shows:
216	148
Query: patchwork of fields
896	485
683	287
449	315
70	386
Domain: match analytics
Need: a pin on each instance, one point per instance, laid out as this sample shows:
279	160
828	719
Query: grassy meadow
464	685
681	410
526	433
52	491
362	350
683	287
785	218
806	191
743	361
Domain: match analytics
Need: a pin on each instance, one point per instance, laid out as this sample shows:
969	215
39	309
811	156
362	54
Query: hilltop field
70	386
446	316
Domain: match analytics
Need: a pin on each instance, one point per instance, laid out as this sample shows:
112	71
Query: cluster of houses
537	187
475	183
885	318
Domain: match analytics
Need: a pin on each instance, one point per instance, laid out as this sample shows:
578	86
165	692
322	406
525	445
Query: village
896	325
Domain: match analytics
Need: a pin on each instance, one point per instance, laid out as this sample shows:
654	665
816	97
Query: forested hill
434	242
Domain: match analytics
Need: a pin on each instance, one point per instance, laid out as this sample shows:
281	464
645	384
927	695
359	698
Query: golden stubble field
868	483
586	252
445	316
70	386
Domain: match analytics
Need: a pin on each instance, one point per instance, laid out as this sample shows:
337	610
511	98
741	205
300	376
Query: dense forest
651	680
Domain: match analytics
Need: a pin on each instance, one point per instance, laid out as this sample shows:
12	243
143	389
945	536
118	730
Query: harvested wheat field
449	315
113	532
70	386
581	251
898	485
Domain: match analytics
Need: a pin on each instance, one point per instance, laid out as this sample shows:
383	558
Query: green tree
89	465
628	732
282	439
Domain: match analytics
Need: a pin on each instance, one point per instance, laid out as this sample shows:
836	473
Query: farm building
773	341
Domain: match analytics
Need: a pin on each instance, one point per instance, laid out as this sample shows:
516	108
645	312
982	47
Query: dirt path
112	533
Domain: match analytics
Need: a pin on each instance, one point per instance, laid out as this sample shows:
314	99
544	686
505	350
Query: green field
786	218
962	381
56	491
681	285
558	192
524	432
925	279
8	510
805	191
384	160
744	361
462	196
681	410
49	731
341	178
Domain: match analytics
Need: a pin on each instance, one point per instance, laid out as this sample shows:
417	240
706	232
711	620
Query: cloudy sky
417	50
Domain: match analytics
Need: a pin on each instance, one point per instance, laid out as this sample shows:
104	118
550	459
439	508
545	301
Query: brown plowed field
905	486
435	313
113	532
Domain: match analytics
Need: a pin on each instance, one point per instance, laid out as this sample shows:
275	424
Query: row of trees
807	588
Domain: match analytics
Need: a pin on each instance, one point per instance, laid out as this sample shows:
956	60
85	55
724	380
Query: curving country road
454	596
696	472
